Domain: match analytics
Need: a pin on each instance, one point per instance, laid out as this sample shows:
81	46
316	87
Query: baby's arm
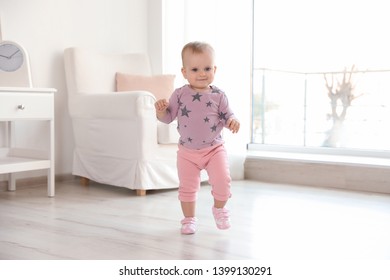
161	108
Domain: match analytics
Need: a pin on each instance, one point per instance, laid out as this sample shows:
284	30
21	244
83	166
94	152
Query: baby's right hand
161	105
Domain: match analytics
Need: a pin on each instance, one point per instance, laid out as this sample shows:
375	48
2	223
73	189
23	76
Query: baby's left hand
233	125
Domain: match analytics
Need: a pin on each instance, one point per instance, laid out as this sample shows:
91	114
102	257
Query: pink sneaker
221	216
188	225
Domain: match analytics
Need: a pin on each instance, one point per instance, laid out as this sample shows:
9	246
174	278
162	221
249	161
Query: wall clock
14	65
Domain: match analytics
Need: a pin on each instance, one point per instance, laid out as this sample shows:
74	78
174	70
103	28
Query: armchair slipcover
116	133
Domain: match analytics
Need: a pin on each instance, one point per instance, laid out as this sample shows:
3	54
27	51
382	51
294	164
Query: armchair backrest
89	71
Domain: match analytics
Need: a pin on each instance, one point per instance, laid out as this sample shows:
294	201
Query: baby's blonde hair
197	47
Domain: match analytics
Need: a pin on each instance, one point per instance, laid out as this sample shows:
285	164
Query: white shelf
19	164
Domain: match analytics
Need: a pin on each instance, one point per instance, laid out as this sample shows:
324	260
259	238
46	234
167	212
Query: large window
321	74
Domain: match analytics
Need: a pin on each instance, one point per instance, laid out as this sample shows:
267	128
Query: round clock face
11	57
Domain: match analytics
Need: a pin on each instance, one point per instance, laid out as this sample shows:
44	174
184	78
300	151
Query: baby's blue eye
194	69
207	69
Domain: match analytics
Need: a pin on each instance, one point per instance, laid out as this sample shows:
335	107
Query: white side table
27	104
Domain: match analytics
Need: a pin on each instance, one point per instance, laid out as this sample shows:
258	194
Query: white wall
46	27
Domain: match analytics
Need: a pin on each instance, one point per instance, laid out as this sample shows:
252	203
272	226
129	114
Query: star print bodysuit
201	116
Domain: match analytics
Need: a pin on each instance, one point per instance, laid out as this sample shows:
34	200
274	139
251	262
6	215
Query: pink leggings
189	164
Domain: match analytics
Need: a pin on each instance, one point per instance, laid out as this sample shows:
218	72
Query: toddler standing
202	111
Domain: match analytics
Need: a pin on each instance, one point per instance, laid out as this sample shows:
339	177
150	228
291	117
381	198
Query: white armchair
116	133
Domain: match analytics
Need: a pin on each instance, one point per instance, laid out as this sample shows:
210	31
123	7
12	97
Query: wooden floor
269	221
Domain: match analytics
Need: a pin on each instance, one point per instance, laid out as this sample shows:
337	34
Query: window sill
321	158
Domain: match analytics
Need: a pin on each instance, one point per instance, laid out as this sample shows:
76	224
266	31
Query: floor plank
269	221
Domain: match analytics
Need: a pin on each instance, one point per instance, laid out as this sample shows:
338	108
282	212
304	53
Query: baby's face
199	69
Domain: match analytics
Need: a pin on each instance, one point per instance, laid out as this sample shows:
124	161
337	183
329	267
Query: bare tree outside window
341	96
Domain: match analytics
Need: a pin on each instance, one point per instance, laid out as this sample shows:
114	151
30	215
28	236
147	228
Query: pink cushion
161	86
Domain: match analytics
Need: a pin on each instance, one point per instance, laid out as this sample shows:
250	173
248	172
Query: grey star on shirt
196	97
185	111
214	128
208	104
206	119
222	115
189	139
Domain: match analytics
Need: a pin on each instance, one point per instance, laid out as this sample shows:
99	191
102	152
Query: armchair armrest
112	105
128	117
